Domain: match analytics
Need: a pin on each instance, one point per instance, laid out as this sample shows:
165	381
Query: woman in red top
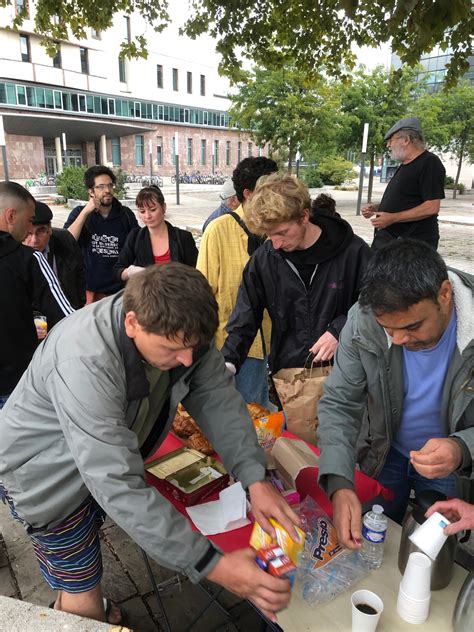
158	242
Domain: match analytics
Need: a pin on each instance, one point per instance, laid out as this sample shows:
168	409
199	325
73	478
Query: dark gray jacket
360	411
67	432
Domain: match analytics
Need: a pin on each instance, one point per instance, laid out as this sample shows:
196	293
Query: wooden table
336	615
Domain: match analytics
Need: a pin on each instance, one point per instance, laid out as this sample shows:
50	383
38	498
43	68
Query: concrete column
103	150
59	156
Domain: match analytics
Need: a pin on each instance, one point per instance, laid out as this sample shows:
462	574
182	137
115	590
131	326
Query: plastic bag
326	569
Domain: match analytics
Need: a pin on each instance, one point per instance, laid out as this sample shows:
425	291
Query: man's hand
90	207
383	220
460	513
369	209
324	348
437	458
347	518
240	573
268	503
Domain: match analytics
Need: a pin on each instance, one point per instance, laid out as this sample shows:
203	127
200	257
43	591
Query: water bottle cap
377	509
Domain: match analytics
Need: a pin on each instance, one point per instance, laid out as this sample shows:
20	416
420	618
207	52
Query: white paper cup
361	621
416	580
429	536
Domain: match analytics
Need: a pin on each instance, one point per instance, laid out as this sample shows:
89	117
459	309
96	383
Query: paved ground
125	578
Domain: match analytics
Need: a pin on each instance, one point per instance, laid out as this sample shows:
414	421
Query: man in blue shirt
399	399
229	202
100	227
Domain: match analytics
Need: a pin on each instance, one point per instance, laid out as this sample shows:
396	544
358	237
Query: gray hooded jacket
66	432
360	412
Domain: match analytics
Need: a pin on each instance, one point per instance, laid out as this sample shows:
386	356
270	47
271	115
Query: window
216	153
21	6
203	152
57	57
239	152
203	85
173	150
159	75
189	82
190	151
25	48
128	32
227	153
139	150
116	157
249	147
122	73
84	60
159	150
175	79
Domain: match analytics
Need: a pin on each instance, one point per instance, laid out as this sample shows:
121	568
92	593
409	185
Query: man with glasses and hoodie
100	228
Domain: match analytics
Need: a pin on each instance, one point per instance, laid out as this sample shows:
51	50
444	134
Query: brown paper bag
299	391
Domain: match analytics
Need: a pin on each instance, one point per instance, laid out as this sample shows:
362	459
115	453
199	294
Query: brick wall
25	156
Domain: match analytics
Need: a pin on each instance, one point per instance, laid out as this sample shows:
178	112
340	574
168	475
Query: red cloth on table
306	484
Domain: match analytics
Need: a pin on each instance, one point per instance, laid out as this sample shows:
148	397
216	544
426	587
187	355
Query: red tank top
161	259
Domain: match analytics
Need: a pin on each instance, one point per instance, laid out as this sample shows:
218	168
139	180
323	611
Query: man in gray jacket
399	399
98	397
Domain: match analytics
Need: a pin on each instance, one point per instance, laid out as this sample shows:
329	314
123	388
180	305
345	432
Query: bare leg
87	604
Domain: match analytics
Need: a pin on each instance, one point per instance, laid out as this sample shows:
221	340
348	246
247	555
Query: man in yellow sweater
223	255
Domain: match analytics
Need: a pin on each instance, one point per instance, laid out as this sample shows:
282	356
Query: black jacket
25	279
299	315
65	252
137	250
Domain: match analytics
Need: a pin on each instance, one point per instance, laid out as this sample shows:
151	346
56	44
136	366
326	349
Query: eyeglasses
41	231
103	187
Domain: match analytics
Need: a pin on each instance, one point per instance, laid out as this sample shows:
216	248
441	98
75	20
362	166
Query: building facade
89	106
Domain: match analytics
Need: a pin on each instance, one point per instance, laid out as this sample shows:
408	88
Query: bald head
17	209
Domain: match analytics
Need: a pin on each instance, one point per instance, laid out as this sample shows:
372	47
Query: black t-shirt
416	182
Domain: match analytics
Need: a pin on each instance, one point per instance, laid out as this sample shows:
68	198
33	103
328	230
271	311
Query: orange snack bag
261	539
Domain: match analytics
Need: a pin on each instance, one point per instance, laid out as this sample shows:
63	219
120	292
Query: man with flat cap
410	203
62	253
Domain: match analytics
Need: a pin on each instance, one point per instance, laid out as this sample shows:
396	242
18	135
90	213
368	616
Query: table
336	615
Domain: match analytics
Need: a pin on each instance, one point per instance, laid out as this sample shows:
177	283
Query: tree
313	33
379	98
448	122
285	108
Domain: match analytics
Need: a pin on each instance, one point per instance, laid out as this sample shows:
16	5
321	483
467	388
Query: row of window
140	151
25	52
49	98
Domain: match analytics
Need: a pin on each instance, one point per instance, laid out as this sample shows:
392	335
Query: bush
447	181
336	170
70	183
461	187
311	177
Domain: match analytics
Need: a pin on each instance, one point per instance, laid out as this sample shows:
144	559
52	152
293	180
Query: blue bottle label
376	537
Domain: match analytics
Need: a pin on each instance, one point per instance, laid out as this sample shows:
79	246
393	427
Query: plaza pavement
125	578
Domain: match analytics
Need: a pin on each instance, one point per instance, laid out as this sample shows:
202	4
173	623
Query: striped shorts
69	554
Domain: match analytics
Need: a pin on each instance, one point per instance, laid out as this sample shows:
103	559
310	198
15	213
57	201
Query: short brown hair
277	198
150	194
170	299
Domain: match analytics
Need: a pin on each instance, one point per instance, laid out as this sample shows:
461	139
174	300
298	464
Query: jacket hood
7	244
336	237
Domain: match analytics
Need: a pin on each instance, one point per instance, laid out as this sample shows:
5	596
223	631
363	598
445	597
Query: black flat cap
43	214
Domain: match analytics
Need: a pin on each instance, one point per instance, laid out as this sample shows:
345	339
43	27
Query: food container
188	475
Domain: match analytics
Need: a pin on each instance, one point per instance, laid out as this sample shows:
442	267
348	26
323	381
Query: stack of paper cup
429	537
414	596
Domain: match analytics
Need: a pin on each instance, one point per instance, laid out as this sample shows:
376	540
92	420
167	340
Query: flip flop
108	603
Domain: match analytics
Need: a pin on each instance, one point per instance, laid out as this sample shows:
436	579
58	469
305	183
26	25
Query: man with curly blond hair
307	275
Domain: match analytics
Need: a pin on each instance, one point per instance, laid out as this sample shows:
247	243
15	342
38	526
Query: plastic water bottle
374	528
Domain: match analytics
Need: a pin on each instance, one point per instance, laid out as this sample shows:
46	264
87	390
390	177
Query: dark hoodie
26	278
101	240
306	293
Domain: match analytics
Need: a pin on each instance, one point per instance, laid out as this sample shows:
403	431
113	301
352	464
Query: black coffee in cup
366	609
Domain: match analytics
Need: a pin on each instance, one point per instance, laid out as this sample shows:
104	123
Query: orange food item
186	428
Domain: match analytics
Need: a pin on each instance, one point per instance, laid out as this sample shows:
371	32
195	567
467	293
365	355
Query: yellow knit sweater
222	259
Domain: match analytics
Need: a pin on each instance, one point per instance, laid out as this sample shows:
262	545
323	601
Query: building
88	106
